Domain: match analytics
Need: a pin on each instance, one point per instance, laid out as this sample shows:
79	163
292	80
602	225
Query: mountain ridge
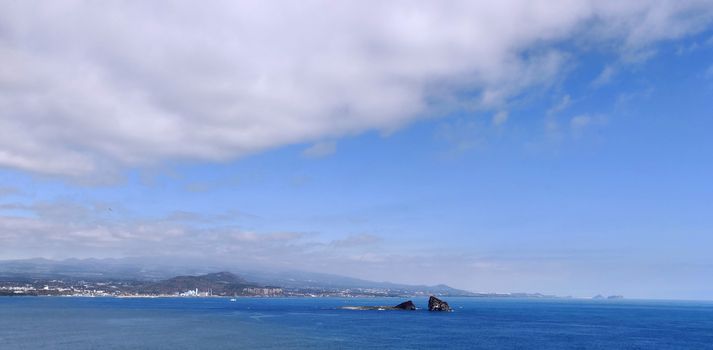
157	270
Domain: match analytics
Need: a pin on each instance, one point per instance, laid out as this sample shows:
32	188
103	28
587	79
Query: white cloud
90	87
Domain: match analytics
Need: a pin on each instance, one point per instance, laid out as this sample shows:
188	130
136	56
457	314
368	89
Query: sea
319	323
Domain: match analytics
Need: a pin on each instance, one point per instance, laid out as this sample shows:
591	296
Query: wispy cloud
356	241
320	149
579	123
9	191
86	231
552	124
460	135
70	229
500	118
605	76
561	105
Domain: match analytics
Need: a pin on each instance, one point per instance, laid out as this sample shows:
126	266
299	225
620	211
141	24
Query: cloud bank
66	229
86	87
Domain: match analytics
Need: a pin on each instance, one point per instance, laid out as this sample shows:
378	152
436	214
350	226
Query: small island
434	304
406	305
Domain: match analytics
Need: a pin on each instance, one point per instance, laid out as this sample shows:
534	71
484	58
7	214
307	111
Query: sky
560	147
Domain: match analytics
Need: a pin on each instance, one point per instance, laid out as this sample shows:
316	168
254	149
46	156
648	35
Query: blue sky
587	171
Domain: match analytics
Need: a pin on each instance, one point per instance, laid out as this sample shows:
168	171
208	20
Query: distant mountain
221	283
162	269
93	269
313	280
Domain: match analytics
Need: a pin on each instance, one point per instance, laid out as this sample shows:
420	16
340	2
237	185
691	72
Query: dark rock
435	304
406	305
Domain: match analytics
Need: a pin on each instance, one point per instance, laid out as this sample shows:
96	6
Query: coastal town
127	289
211	285
222	284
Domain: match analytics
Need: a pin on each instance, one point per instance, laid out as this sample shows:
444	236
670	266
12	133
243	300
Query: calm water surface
477	323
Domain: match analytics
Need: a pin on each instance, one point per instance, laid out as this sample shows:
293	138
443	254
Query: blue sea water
317	323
